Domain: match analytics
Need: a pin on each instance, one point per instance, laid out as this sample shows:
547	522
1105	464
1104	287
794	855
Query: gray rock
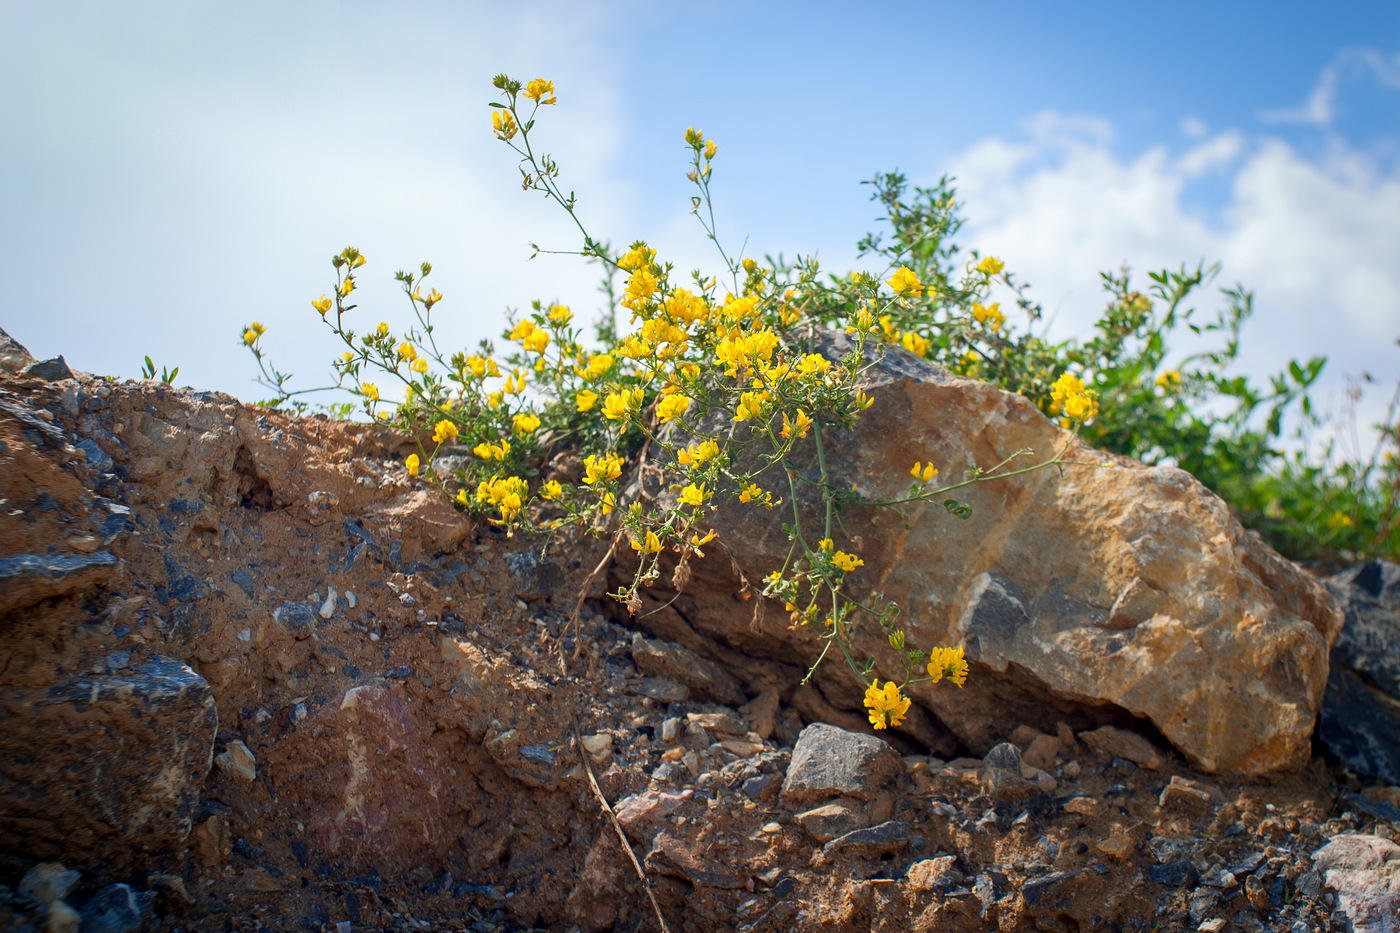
890	836
116	909
13	356
533	764
673	856
181	585
296	616
1360	719
97	458
1176	873
49	370
1365	873
29	578
667	659
535	576
1003	775
243	580
828	761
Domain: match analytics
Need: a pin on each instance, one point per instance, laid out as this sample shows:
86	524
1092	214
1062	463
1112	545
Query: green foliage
167	376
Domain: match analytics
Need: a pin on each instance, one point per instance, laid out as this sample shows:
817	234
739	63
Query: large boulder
103	766
1360	721
1106	587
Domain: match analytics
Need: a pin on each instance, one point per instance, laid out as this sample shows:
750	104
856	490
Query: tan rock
1086	807
238	761
1111	583
762	713
61	918
1042	752
1117	743
1119	844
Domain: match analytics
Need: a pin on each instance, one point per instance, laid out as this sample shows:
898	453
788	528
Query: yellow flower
250	336
601	471
990	315
672	407
369	391
914	343
322	304
926	474
887	707
560	314
1169	380
347	286
552	490
906	283
608	502
618	404
462	497
541	91
846	562
948	662
863	401
494	399
751	492
599	365
537	341
651	545
522	330
797	428
586	400
508	494
419	366
826	545
433	298
1081	407
638	256
710	149
750	405
694	495
503	124
696	454
406	351
382	330
412	464
489	451
525	423
444	431
990	266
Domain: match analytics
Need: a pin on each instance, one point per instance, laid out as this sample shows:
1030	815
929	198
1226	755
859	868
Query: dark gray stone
1176	873
97	458
185	507
828	761
298	617
1360	728
29	578
355	528
181	585
243	580
116	909
873	841
49	370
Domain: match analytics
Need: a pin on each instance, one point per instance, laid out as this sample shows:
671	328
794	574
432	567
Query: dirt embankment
252	668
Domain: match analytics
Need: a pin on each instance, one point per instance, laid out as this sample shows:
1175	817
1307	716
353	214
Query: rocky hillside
256	677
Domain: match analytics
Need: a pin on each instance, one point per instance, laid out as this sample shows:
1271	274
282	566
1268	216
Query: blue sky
171	171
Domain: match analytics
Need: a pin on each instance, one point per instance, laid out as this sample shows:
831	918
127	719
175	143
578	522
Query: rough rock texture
1360	720
108	756
398	692
831	762
1113	587
1365	872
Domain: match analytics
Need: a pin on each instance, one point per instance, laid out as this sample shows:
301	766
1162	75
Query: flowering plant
712	385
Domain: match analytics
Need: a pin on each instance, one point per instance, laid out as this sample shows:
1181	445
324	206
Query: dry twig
622	836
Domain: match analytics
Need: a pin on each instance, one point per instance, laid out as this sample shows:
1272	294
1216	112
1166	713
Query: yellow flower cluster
949	663
253	332
990	315
601	470
506	494
1071	396
925	474
905	283
887	707
1169	380
444	432
489	451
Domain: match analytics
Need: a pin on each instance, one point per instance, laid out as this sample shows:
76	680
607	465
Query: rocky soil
255	677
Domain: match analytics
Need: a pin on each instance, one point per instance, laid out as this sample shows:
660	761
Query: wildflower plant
706	395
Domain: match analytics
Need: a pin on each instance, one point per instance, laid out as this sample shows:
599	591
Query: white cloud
1320	108
1316	240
